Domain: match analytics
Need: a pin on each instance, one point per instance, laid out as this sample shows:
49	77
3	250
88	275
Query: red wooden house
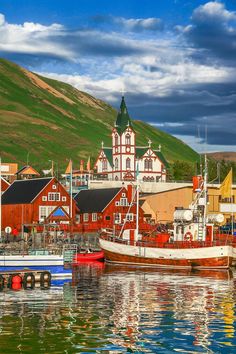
107	208
32	201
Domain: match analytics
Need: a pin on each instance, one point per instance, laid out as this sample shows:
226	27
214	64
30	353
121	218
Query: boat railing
169	244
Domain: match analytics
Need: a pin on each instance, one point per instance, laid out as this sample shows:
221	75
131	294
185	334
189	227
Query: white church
125	161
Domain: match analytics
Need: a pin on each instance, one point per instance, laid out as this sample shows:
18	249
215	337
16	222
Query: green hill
47	119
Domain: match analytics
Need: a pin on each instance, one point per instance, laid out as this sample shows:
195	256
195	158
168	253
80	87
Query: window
129	216
116	163
127	139
117	204
45	211
104	164
78	219
117	218
54	186
116	139
94	216
107	218
128	163
123	202
44	198
85	217
42	212
53	196
63	199
148	164
123	195
66	208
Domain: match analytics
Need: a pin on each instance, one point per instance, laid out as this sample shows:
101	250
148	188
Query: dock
24	279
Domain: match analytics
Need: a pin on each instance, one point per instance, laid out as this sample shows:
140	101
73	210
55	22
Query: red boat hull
85	257
215	263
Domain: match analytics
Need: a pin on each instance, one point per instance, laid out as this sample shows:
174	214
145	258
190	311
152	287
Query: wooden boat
193	243
88	256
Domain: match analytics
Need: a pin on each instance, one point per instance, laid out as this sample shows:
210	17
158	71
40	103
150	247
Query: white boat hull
214	257
30	260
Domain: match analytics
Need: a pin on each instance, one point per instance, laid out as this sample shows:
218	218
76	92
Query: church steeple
123	120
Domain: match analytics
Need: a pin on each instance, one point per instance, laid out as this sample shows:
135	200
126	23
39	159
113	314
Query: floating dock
24	279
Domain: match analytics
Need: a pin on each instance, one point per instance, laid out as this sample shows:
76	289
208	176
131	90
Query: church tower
123	146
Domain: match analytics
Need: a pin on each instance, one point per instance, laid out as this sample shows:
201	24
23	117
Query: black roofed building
33	200
124	161
104	208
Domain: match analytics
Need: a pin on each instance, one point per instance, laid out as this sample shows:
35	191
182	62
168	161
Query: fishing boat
192	243
88	257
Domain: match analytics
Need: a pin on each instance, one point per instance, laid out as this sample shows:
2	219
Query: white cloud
140	24
213	10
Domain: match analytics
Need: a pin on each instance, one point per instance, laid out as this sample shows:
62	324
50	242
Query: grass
34	120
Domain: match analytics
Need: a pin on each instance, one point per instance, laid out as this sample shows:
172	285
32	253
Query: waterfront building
105	208
34	201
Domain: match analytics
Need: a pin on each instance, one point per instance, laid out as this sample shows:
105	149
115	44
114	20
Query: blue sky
175	59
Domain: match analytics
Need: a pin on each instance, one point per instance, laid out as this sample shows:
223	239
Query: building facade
108	208
34	201
125	161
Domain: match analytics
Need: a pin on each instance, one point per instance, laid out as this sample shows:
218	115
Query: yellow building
161	206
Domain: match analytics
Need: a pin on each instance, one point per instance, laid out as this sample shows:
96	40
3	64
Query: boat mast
137	212
205	196
0	198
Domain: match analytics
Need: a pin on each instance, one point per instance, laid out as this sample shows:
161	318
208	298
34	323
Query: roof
162	158
95	200
139	152
27	170
142	150
24	192
123	120
108	153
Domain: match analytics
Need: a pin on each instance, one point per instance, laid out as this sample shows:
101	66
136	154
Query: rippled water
120	310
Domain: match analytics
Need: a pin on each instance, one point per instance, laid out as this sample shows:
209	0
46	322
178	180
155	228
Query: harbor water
112	309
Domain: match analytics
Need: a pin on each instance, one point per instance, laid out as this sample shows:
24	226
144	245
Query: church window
116	164
127	139
148	164
116	139
104	164
128	163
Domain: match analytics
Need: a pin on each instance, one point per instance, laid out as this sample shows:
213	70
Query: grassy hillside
47	119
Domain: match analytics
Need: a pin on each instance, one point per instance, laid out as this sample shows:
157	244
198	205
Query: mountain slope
47	119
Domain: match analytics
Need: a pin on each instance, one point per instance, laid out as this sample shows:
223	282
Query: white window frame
54	196
54	186
47	210
85	217
130	217
66	208
44	198
63	198
117	218
123	202
94	217
123	195
117	204
42	212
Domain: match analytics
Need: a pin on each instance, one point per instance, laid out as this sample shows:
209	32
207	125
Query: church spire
123	120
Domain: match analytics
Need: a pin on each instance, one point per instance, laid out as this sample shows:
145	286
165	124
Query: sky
174	60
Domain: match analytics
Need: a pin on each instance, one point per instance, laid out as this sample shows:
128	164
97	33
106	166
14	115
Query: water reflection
110	309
